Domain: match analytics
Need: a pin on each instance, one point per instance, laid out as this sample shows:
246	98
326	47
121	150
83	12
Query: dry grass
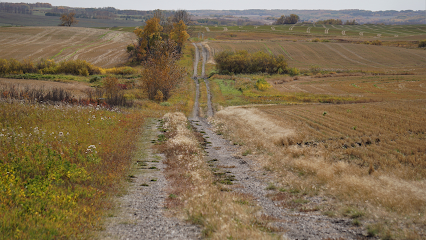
376	87
78	89
223	215
319	154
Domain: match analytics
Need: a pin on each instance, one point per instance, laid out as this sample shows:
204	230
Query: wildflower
61	134
91	148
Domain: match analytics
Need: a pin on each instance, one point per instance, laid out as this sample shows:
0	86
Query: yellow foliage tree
179	34
148	37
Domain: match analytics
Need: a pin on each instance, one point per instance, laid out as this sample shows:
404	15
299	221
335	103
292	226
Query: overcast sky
374	5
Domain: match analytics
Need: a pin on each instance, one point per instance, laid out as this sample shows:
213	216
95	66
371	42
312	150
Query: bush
422	44
376	42
74	67
77	67
95	79
243	62
262	85
121	71
293	71
315	69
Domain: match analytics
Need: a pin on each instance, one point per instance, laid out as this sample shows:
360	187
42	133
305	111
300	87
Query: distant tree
179	35
353	22
68	19
331	22
422	44
292	19
182	15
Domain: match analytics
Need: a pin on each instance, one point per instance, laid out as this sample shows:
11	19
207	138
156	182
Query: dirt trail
251	179
141	212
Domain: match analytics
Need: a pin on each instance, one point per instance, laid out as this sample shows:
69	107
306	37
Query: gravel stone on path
141	214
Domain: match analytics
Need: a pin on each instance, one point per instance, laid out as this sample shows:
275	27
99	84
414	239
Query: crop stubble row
387	134
101	47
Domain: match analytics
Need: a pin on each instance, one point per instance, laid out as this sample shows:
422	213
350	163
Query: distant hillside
14	19
44	14
361	16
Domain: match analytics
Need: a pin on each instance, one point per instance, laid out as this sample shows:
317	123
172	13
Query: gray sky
374	5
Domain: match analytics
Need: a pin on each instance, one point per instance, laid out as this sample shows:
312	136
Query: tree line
332	21
22	8
243	62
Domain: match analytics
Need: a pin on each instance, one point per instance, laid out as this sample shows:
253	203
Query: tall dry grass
223	215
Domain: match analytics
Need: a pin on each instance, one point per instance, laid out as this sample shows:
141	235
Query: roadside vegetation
59	165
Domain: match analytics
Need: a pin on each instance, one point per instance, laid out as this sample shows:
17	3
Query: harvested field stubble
369	85
368	155
100	47
332	56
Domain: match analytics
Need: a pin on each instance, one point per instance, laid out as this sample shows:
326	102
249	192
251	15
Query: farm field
103	48
386	32
333	56
349	130
376	88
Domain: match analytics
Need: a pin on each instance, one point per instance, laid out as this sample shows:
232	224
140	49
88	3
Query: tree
182	15
68	19
179	35
147	39
292	19
161	74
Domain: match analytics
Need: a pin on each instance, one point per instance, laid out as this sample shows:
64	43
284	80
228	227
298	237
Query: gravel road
141	212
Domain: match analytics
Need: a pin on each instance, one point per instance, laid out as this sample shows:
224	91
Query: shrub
315	69
74	67
121	71
161	75
262	85
422	44
243	62
95	79
376	42
77	67
293	71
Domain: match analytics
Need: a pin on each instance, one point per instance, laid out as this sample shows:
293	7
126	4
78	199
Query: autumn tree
179	35
161	73
148	37
68	19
